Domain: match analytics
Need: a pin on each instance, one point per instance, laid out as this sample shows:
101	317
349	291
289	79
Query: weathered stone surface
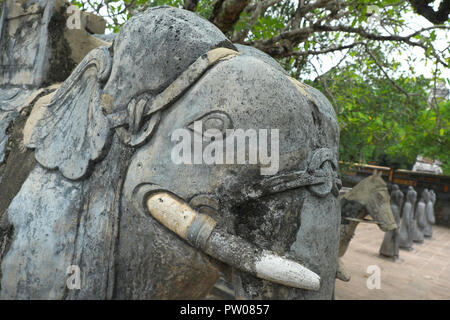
68	46
18	163
14	171
429	215
93	23
13	98
390	245
406	227
36	49
251	51
244	76
81	203
45	229
5	119
419	217
369	197
106	37
24	28
36	46
164	42
12	101
74	121
81	43
98	225
166	57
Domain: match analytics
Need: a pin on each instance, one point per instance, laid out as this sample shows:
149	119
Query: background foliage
365	56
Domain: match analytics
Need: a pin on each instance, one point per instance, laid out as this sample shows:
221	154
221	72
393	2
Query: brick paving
421	274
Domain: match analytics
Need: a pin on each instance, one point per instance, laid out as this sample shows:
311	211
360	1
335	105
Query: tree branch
226	13
190	5
272	46
379	65
423	8
372	36
318	52
257	11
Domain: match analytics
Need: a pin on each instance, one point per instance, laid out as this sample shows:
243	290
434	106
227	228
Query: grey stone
24	29
390	245
163	41
419	217
93	23
36	48
45	229
12	100
368	197
58	137
406	227
429	215
244	76
107	134
19	162
5	119
253	52
106	37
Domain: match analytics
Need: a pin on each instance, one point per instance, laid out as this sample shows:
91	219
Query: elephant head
143	224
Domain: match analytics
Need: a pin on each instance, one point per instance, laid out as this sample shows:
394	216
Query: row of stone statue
416	220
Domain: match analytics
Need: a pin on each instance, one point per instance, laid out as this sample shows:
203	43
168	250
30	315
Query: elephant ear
72	130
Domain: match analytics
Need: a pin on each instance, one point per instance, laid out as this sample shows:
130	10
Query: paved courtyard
423	273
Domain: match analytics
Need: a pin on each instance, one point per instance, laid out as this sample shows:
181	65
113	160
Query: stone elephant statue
110	196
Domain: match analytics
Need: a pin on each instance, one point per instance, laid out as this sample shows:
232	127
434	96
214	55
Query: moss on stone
61	64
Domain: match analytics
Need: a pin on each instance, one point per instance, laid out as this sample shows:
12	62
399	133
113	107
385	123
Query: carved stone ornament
107	198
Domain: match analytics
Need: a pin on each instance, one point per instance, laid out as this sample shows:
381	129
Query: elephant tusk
201	232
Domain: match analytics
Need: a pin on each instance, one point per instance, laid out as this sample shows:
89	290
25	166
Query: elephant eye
213	124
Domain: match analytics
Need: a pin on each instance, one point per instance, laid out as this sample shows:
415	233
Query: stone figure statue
406	227
419	217
433	198
390	245
116	193
429	214
369	197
